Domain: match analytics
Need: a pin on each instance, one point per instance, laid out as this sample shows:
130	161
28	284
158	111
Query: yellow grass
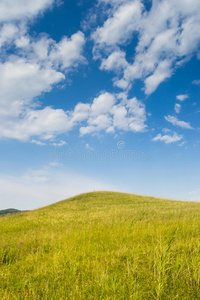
102	245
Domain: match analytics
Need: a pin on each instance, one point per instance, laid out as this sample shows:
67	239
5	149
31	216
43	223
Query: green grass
102	245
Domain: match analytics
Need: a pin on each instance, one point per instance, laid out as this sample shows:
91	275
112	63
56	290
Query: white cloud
116	61
137	115
21	82
101	121
176	122
120	120
81	112
60	144
22	42
39	143
196	82
110	129
11	10
177	108
168	35
105	114
166	130
45	123
96	124
182	97
122	84
36	67
182	144
8	32
161	73
102	104
67	52
168	139
64	55
29	67
96	113
119	28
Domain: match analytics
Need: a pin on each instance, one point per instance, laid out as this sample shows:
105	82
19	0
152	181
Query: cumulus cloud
102	104
168	139
120	27
96	124
81	112
44	123
167	33
64	55
116	61
67	52
29	67
176	122
108	113
21	82
35	66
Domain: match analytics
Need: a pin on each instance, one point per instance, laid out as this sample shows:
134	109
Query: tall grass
102	245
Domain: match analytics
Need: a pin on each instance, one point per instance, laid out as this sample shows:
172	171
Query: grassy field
102	245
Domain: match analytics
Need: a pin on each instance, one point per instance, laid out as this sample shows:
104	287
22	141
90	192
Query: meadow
102	245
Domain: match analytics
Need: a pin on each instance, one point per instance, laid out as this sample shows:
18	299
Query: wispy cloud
177	108
196	82
38	142
59	144
37	188
168	139
176	122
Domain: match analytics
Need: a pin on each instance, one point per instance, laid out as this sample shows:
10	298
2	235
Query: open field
102	245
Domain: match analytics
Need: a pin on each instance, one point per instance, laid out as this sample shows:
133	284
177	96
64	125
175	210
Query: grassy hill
102	245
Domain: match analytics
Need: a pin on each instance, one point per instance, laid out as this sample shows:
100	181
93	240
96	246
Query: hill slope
102	245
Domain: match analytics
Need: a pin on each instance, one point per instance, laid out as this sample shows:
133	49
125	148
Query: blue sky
98	95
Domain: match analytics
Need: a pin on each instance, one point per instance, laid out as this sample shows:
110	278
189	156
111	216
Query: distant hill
9	211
